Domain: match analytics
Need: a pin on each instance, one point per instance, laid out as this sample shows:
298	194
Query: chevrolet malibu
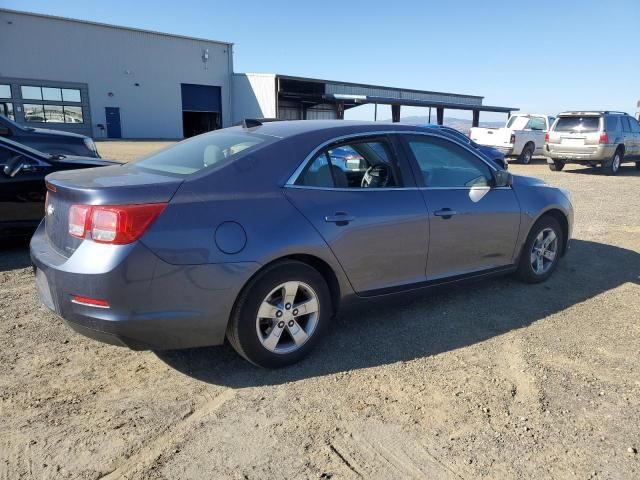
253	235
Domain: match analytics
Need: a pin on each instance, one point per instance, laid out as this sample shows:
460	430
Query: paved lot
489	380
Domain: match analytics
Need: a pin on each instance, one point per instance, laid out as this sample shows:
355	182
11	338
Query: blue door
113	122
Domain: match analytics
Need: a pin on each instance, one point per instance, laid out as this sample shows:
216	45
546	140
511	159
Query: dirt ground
488	380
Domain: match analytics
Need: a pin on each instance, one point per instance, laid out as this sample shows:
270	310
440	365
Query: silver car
256	236
605	139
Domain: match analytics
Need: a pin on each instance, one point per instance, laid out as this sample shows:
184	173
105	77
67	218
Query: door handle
445	213
340	218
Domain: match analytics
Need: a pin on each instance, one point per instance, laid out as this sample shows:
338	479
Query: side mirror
14	166
502	178
5	132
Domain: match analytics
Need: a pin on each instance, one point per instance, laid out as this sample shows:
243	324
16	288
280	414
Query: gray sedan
253	235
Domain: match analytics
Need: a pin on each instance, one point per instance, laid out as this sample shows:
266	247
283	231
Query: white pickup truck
521	137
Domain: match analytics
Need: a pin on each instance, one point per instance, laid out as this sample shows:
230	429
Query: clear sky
542	56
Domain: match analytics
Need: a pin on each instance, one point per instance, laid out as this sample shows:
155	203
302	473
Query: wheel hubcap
544	251
287	317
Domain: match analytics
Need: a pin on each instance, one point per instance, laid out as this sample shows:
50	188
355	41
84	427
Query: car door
22	195
473	225
635	130
630	138
370	213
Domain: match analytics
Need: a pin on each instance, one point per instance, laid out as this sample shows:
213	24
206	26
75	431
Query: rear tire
526	155
612	166
536	264
556	166
267	326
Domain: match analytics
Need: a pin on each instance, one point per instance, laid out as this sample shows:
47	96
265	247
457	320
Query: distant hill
458	123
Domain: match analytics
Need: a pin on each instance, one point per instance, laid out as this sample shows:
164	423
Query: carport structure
308	98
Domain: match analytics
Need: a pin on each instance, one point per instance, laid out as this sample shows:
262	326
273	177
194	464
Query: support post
375	112
429	114
340	110
395	113
476	118
440	115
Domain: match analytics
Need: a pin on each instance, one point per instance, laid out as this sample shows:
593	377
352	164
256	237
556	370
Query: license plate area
572	142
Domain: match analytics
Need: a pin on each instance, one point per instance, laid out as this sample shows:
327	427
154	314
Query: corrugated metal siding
338	88
254	96
322	112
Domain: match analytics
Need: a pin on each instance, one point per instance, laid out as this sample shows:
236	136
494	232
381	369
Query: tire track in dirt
375	450
174	434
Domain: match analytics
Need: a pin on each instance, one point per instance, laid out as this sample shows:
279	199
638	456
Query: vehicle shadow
14	254
436	321
625	170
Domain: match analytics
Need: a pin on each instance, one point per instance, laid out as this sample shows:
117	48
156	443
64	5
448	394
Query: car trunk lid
113	185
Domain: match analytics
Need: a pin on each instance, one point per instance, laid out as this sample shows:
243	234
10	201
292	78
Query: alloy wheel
287	317
544	251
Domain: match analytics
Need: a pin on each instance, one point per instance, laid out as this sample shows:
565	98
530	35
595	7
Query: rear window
578	124
198	153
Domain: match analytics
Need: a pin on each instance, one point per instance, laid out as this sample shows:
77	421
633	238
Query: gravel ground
488	380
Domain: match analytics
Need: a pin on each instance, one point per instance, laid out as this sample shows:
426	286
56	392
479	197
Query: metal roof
108	25
367	85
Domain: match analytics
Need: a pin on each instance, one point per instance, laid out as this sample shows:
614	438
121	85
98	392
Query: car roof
289	128
591	112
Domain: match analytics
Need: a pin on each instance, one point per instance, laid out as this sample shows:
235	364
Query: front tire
541	252
611	167
556	166
280	315
526	155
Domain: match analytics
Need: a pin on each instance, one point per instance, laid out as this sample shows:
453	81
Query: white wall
112	60
254	96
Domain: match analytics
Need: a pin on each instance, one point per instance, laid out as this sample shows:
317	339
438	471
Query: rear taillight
604	138
78	217
116	224
546	137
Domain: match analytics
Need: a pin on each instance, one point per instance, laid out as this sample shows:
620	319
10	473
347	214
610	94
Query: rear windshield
578	124
203	151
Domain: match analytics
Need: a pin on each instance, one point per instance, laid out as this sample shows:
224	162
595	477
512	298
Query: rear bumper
595	153
152	304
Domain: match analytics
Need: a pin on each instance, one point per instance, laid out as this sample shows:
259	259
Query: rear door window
361	163
613	125
576	124
625	125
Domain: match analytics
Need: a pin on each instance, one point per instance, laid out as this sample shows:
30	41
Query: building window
52	113
6	109
34	113
70	95
31	93
73	114
5	91
50	94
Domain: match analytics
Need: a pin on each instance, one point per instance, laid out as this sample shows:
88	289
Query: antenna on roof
256	122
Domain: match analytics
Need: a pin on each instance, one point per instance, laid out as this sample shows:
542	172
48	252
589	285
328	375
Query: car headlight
90	144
